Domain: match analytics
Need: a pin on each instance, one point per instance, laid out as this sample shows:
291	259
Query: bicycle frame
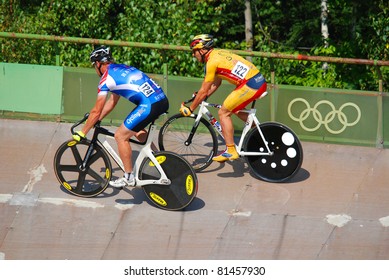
145	152
251	118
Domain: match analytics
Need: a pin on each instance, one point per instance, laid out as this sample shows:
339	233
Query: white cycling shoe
122	182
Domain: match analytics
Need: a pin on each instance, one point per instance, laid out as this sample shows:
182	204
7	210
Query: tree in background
248	27
357	29
324	27
149	21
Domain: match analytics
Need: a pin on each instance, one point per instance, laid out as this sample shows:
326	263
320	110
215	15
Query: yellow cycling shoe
226	156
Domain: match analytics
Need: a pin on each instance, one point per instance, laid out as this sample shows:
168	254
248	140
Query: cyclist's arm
207	89
109	105
216	84
94	114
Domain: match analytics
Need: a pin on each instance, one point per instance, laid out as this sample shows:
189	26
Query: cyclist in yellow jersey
224	65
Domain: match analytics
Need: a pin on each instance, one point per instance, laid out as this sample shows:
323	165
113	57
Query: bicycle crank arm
255	154
140	183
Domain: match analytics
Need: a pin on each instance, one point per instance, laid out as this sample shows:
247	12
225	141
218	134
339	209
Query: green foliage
358	29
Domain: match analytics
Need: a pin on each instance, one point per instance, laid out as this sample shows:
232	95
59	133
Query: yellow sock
231	148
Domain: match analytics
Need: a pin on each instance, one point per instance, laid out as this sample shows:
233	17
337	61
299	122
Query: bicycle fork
209	117
193	130
87	157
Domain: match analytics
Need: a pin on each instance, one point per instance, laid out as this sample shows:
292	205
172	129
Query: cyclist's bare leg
242	115
227	125
228	133
122	137
142	136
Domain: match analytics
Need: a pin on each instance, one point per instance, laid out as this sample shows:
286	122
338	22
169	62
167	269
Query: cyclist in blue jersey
135	86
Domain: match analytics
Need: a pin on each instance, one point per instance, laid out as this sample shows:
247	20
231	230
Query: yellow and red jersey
228	66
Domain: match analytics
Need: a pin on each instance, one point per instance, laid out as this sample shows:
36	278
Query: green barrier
315	114
80	90
385	125
328	115
30	88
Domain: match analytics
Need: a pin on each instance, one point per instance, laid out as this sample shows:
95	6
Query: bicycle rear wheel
183	187
175	135
87	182
287	152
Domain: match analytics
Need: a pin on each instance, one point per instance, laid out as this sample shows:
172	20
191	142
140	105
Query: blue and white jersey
130	83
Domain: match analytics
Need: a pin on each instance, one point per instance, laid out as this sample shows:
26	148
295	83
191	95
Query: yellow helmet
203	41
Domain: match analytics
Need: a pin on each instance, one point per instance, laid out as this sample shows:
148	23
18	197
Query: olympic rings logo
328	118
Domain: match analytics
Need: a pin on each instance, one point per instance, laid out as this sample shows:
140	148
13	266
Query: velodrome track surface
335	208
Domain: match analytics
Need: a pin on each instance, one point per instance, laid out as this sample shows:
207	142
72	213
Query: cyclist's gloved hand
78	135
185	111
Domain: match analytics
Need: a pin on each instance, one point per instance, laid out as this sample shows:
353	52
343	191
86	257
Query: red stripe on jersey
104	77
227	73
102	80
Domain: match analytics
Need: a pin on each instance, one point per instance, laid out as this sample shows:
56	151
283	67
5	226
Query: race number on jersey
146	89
240	70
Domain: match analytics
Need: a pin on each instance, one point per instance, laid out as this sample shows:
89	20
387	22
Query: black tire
287	152
183	187
89	182
199	152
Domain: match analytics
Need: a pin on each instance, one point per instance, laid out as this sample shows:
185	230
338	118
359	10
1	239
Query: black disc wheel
287	152
86	182
183	181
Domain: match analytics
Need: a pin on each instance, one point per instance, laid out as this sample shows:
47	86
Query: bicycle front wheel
183	181
85	182
196	145
287	151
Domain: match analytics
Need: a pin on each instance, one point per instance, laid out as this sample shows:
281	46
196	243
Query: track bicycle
84	169
272	150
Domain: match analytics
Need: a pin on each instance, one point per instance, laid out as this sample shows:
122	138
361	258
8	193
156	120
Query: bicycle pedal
166	181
